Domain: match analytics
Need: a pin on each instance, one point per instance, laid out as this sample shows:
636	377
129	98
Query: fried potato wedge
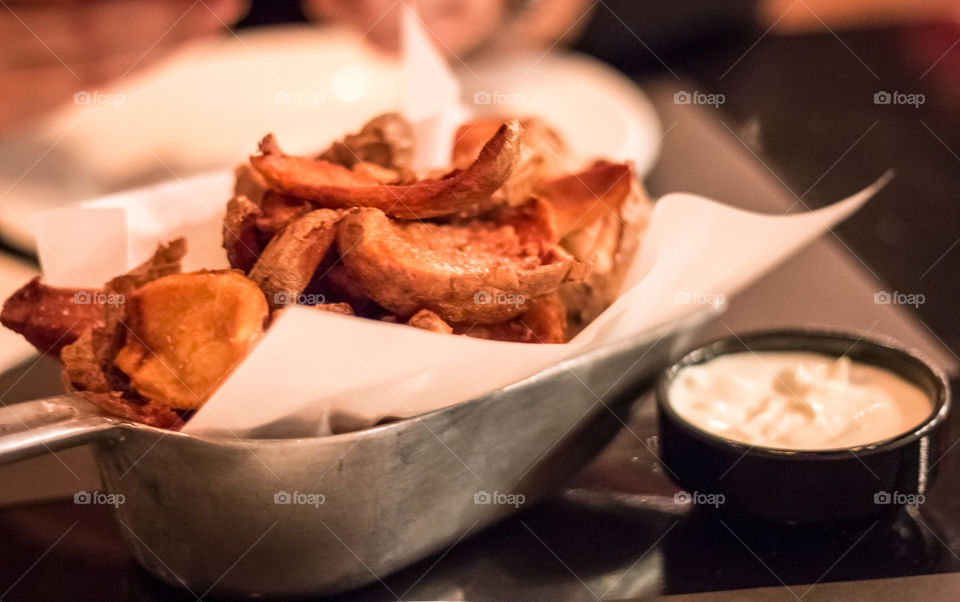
240	236
427	320
544	322
479	271
186	333
386	140
333	282
51	318
249	183
87	363
335	187
608	245
336	308
277	209
581	199
289	261
83	374
543	155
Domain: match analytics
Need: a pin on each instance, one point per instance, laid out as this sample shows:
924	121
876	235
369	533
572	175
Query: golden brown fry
383	175
83	375
51	318
240	236
534	223
277	209
481	271
186	333
608	245
288	263
427	320
108	341
336	308
386	140
249	183
581	199
87	363
543	155
332	186
81	367
544	322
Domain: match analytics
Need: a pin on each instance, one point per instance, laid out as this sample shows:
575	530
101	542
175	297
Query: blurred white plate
206	107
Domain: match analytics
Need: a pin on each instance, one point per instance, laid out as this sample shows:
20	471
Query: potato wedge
277	209
186	333
50	318
386	140
249	183
608	245
335	187
240	236
286	266
581	199
543	155
427	320
544	322
481	271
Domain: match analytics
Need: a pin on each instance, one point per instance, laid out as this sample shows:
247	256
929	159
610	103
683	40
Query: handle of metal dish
32	428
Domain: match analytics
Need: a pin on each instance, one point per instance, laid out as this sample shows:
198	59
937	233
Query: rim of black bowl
745	344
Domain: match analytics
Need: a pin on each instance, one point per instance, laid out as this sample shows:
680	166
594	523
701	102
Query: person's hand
50	50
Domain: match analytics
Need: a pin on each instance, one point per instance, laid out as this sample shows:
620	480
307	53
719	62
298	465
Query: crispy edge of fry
48	317
249	183
544	322
88	362
427	320
277	209
580	199
386	140
240	238
397	276
288	262
225	312
459	192
336	308
148	413
609	245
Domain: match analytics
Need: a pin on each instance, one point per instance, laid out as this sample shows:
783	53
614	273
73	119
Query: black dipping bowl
785	486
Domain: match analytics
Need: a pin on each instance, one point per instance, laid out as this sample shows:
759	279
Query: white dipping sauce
797	400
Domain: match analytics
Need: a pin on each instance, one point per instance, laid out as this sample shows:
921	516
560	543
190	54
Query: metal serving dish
209	515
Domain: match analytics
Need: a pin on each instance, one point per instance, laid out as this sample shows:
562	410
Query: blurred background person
50	49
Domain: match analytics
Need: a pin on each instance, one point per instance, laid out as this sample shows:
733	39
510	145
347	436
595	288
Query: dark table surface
805	107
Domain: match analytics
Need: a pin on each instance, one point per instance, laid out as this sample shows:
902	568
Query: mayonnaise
797	400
